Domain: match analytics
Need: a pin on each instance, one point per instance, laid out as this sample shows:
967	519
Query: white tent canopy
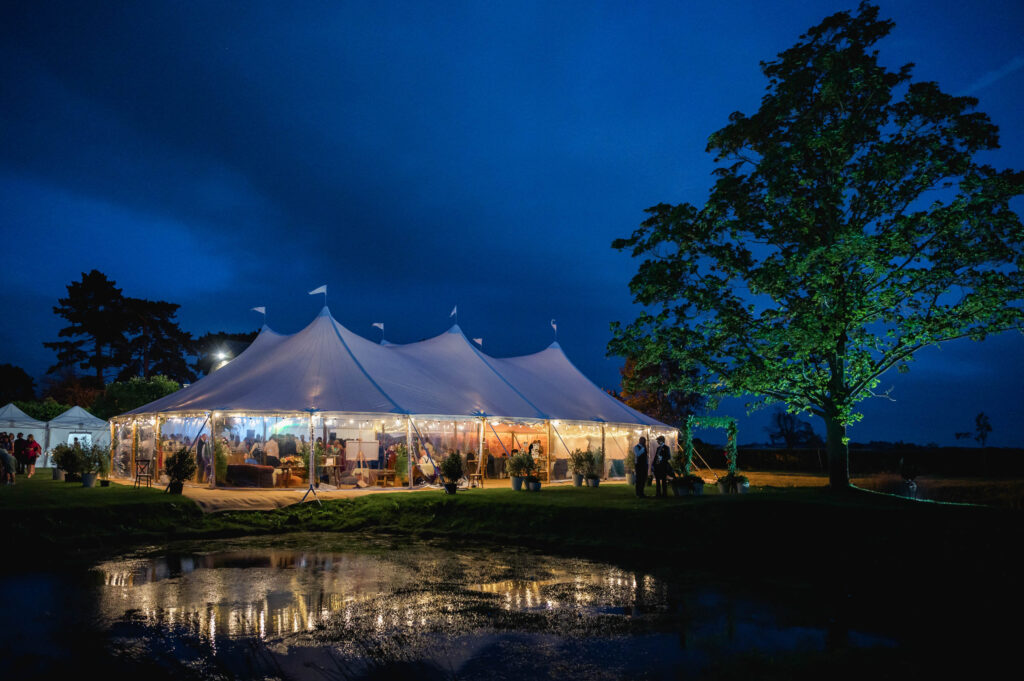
77	422
327	368
14	420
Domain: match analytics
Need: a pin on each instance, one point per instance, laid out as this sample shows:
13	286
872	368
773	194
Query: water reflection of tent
326	370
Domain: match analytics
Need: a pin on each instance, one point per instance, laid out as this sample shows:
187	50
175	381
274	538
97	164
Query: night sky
415	157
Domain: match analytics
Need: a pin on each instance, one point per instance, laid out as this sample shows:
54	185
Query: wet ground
324	606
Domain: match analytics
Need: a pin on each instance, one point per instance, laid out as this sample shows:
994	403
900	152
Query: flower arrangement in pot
180	466
578	466
451	469
95	462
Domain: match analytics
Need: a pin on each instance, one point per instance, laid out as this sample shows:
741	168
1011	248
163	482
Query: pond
348	607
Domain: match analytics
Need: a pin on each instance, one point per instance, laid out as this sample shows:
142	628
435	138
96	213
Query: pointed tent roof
14	418
76	417
326	367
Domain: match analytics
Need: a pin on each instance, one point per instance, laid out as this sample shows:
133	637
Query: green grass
798	535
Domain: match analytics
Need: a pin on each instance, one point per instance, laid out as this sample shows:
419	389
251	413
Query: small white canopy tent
77	422
14	420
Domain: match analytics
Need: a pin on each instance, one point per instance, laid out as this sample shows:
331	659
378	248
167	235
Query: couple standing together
660	466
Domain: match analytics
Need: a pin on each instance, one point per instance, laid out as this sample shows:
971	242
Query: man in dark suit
661	466
640	459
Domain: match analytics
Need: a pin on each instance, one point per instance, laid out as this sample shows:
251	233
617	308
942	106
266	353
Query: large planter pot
88	479
533	486
631	478
450	487
175	487
697	489
741	488
680	491
58	474
104	483
517	482
577	480
593	482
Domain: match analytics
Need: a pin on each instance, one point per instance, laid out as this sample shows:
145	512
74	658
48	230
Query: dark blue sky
229	155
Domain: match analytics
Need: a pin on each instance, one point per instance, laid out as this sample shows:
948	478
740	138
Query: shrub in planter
69	459
180	466
451	469
683	485
532	483
578	465
733	483
519	465
95	461
593	479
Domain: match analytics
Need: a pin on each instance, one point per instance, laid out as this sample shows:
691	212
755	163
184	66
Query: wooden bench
386	476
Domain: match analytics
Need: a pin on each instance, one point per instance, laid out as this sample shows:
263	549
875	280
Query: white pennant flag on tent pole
479	341
261	310
379	325
555	327
455	312
321	289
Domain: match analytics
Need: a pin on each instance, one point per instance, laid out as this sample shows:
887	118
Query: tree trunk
838	454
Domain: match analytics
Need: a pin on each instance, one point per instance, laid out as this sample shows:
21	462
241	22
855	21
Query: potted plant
63	458
687	484
517	467
629	465
94	462
733	483
578	466
180	466
590	470
451	469
532	483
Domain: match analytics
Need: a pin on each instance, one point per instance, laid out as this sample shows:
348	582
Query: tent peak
455	329
555	345
324	312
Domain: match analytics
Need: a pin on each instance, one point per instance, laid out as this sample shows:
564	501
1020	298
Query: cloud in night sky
223	156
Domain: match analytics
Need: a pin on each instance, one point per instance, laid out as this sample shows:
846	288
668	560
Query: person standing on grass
640	459
32	452
8	467
661	466
19	452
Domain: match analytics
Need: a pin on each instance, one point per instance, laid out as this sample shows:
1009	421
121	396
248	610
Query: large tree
93	309
849	226
155	344
645	390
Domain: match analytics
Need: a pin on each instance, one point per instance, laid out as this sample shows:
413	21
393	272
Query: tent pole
604	455
481	465
211	453
408	449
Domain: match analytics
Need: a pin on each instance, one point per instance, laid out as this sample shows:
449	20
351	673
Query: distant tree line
115	353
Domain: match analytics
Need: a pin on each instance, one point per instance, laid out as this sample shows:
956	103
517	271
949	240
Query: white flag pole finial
320	289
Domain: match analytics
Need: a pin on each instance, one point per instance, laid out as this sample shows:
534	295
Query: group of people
18	454
660	466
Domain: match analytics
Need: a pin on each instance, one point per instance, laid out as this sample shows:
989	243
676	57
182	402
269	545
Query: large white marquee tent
440	394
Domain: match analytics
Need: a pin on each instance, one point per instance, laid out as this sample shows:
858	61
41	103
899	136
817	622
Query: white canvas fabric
326	367
14	420
77	420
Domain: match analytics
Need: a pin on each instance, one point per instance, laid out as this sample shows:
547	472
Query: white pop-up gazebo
78	423
14	420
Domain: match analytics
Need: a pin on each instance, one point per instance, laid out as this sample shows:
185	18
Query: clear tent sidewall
372	437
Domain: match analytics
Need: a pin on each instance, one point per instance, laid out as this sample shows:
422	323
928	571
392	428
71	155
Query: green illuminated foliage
849	226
